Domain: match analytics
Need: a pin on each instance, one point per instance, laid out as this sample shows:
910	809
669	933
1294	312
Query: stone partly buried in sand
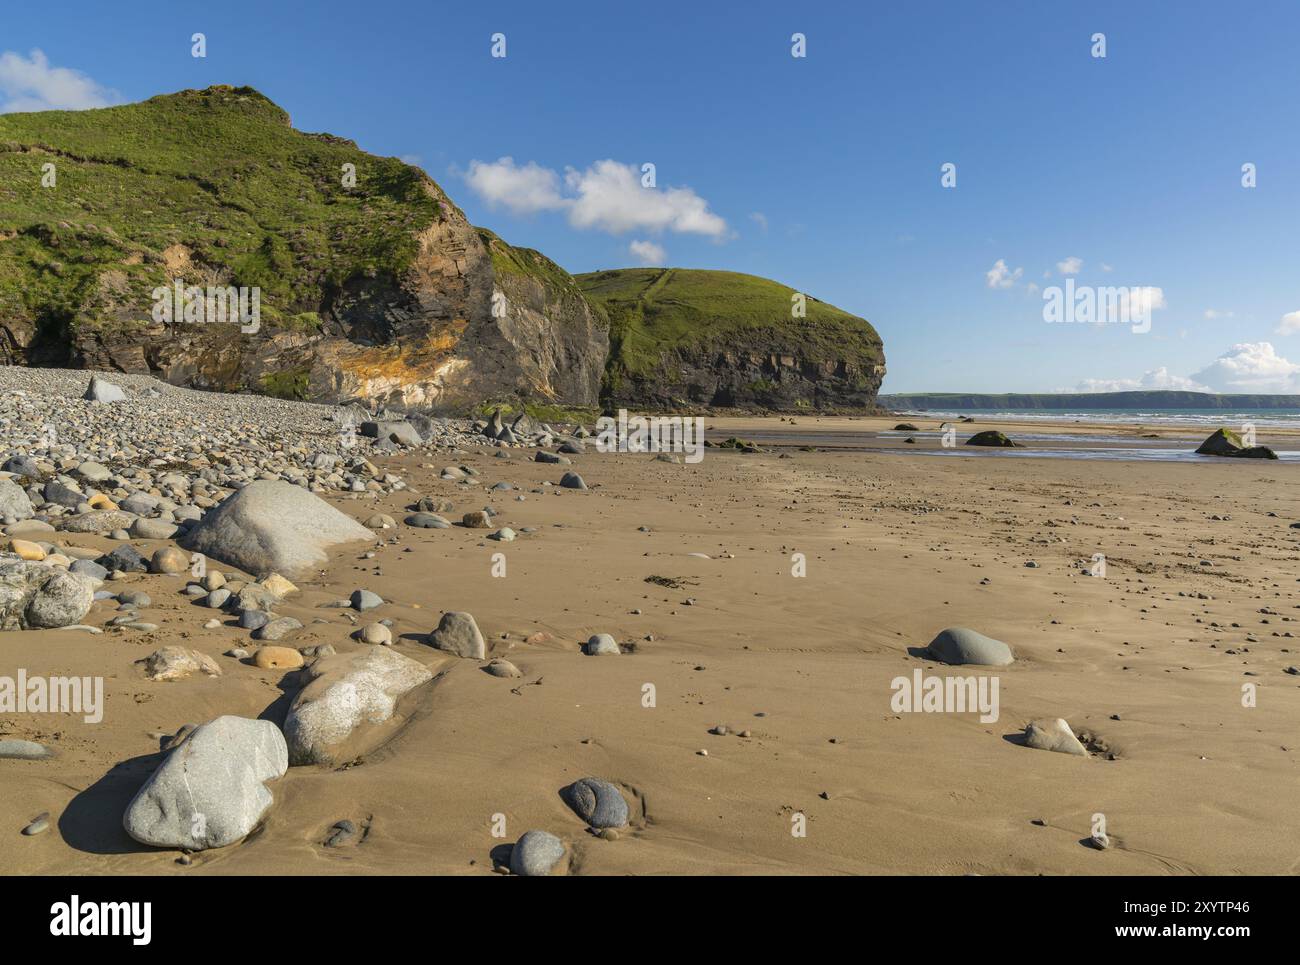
600	645
346	692
958	645
1053	735
210	790
536	854
271	526
176	663
991	437
1225	442
36	596
23	750
597	802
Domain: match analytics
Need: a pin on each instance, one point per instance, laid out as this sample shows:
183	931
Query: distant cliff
683	337
944	401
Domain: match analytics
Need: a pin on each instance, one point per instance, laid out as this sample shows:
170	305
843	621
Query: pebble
39	825
376	634
363	600
277	658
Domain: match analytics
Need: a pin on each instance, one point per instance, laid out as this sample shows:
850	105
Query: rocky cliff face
377	289
751	377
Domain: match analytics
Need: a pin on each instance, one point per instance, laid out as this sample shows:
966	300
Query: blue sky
822	172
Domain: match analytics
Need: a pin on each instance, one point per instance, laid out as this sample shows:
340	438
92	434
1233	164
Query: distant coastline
1086	401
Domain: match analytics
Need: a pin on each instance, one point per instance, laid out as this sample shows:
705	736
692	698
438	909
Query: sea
1211	418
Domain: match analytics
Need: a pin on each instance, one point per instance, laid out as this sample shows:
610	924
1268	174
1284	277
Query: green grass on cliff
656	310
220	171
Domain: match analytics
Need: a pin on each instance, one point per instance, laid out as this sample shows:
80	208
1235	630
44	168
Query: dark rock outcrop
1225	442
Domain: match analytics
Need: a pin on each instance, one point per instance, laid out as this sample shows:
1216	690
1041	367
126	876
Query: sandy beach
691	569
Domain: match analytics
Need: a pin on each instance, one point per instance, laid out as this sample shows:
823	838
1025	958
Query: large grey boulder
958	645
61	600
102	391
402	433
597	802
210	790
326	723
535	854
271	526
37	596
62	495
458	633
21	465
14	501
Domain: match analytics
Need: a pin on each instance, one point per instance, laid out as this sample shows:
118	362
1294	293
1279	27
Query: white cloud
759	219
1160	378
1000	276
1107	268
1290	324
607	196
31	84
1138	303
1213	313
610	197
523	189
1251	367
648	253
1070	266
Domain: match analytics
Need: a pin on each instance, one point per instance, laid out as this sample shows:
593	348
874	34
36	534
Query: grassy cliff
727	338
214	185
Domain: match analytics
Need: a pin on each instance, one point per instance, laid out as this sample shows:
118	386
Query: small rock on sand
277	658
458	633
174	663
601	644
958	645
597	802
502	668
536	854
376	634
1053	735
